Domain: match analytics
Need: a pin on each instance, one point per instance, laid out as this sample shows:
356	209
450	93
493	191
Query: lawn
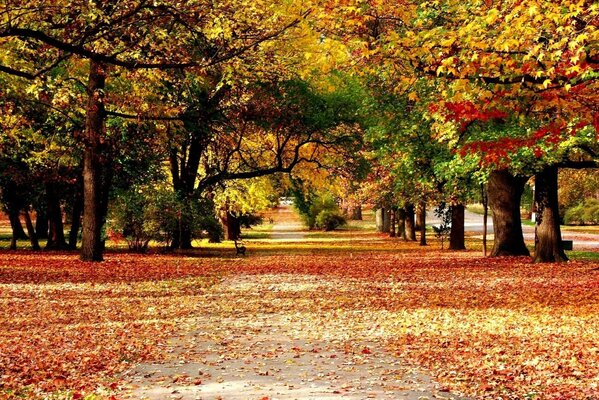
500	328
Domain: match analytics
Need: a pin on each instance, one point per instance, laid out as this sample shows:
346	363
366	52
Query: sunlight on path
273	352
288	226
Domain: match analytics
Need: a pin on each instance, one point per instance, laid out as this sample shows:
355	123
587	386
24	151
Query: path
255	340
288	226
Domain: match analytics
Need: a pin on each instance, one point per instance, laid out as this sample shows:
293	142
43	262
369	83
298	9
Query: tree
129	35
506	58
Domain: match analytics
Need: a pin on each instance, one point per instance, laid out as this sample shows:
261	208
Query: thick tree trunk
505	191
392	232
15	224
456	235
422	219
41	223
418	224
31	231
356	213
485	200
386	220
379	218
184	165
56	239
400	217
92	246
182	237
548	236
410	226
233	227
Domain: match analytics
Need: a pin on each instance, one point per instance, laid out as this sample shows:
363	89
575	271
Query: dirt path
264	337
288	226
234	355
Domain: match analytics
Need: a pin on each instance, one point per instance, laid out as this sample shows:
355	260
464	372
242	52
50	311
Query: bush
249	220
329	220
585	213
143	213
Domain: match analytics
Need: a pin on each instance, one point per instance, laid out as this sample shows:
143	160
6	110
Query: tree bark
15	223
418	224
41	223
56	239
356	212
422	219
456	235
31	230
392	232
92	247
485	200
76	220
379	217
548	236
505	191
410	226
386	220
233	227
400	217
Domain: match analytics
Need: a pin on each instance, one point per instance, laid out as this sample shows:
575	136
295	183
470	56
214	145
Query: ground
352	314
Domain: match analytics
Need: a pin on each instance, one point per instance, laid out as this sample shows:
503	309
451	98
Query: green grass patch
577	255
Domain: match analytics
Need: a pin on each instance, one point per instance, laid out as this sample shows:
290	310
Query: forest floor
351	314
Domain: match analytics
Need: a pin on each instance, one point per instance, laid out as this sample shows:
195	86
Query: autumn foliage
500	328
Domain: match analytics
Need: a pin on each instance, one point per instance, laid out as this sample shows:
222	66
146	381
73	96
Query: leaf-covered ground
500	328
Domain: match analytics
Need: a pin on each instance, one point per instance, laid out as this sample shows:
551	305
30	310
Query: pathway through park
246	346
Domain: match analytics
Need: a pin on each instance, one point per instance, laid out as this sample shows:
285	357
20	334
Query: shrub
249	220
329	220
145	213
585	213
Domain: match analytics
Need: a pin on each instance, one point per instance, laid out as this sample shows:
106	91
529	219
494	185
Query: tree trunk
418	224
15	223
505	191
184	164
380	216
356	213
76	220
409	222
92	246
392	232
386	220
548	236
41	223
400	217
456	236
31	230
422	219
485	200
56	239
233	227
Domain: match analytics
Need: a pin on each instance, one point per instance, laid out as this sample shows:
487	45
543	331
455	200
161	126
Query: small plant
443	212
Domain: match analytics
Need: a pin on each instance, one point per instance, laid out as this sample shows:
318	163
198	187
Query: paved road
473	223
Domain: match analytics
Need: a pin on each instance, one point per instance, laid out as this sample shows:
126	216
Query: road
473	223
